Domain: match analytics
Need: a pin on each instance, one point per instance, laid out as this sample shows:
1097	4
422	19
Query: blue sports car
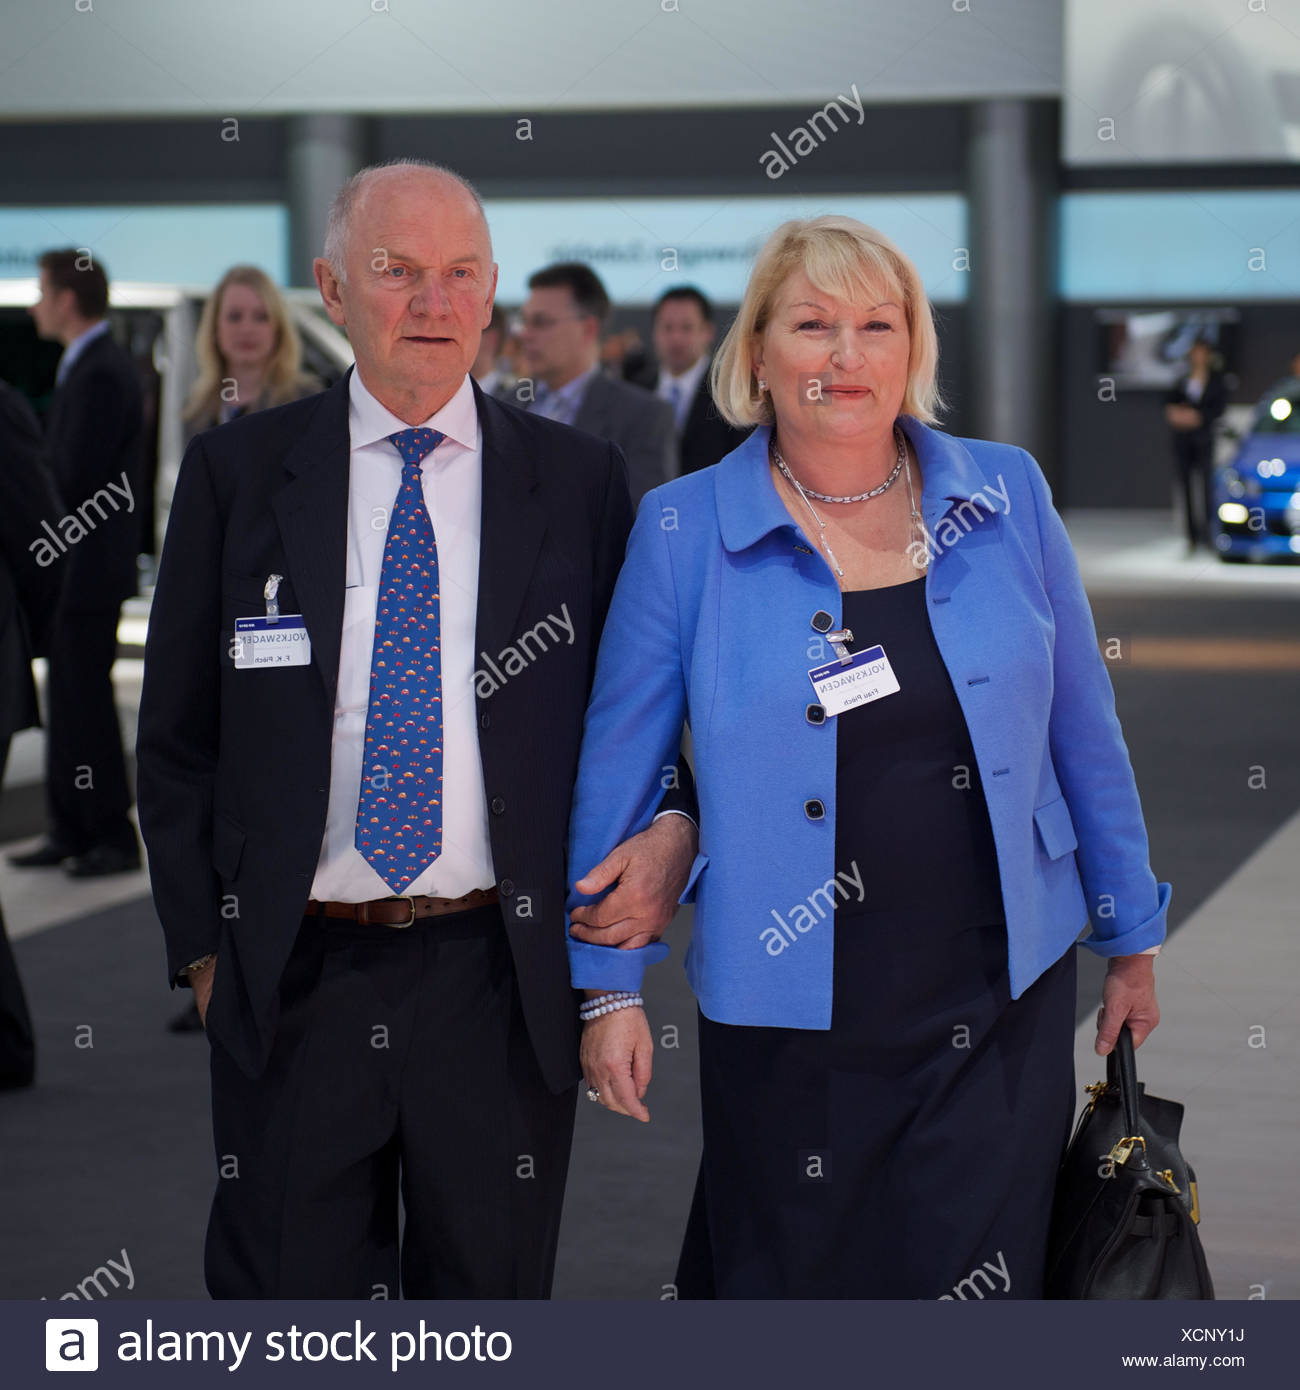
1257	495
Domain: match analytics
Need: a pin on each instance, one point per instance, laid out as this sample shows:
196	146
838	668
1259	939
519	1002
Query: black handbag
1125	1216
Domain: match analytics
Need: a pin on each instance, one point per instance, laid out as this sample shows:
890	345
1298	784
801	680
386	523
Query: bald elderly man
369	656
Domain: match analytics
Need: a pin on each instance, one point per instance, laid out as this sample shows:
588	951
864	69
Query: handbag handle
1121	1073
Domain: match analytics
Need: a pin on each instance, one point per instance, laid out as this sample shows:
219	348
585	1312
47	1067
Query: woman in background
248	352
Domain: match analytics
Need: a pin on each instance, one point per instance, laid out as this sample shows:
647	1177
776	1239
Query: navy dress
910	1150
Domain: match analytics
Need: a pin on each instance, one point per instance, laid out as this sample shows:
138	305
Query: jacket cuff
608	967
1150	932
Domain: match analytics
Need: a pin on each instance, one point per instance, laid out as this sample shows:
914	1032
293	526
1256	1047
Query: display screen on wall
1193	81
642	246
191	245
1147	348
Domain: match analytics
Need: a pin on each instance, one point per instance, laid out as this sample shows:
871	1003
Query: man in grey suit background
560	376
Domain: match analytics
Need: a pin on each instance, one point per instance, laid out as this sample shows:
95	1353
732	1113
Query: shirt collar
571	390
749	506
689	379
369	421
79	344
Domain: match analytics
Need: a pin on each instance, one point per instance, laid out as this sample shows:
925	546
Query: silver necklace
858	496
914	520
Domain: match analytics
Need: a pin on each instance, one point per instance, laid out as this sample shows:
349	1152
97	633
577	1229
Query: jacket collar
749	506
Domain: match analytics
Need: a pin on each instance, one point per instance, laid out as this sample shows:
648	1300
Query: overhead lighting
1280	408
1233	513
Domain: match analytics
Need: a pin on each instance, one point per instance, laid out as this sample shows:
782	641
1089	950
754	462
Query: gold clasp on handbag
1124	1147
1195	1209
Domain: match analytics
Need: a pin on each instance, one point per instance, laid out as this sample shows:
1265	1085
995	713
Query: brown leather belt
402	910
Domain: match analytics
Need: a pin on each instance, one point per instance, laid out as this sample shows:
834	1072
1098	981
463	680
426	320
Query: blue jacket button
815	714
814	810
822	620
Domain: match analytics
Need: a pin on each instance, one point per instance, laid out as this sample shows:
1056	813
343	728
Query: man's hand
616	1052
1128	996
201	983
651	870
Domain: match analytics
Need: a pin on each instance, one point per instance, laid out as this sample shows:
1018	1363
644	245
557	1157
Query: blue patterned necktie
399	813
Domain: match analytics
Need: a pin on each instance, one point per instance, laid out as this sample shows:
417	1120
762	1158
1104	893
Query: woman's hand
616	1051
1128	996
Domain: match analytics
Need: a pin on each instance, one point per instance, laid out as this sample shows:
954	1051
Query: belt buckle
407	898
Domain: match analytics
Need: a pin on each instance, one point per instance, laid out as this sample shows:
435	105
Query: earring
762	384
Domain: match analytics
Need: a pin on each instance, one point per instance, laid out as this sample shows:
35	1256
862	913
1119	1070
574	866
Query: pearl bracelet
605	998
594	1008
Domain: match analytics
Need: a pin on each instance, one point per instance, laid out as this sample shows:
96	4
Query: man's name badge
265	642
865	677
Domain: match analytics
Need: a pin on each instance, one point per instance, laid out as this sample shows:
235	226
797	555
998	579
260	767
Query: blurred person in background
560	376
29	594
489	368
897	854
1192	406
94	445
683	342
248	352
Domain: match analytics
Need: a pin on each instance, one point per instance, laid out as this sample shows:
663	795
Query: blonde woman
248	352
914	797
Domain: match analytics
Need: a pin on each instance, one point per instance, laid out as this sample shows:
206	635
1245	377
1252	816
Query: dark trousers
400	1063
1193	457
17	1042
85	770
17	1039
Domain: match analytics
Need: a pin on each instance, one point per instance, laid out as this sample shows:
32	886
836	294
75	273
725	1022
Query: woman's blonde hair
282	381
843	257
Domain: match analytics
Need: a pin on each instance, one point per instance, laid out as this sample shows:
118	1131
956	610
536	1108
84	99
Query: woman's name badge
278	641
866	676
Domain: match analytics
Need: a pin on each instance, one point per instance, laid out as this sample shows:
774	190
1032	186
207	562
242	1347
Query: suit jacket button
485	720
498	805
506	888
815	714
814	810
822	620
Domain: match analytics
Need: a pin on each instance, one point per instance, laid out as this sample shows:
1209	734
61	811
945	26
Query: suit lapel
312	513
513	522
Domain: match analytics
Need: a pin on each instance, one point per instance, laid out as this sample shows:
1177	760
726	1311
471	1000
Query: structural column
1011	190
324	151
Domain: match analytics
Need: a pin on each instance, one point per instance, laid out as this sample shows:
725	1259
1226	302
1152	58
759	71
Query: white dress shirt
687	384
452	477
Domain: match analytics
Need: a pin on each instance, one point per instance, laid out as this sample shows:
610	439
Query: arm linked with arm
632	735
